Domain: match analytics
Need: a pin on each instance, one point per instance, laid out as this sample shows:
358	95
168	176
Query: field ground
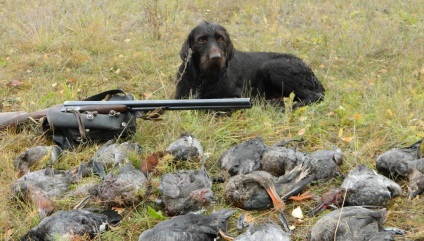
369	55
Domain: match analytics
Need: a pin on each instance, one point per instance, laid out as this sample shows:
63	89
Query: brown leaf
151	162
118	210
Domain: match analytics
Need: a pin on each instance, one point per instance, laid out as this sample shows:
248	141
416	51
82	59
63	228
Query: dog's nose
215	56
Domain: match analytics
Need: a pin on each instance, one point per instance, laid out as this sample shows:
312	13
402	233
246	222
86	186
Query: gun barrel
186	104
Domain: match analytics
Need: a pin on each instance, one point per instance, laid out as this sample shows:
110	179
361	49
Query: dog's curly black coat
212	68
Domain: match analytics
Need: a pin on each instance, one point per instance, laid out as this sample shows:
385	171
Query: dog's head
210	44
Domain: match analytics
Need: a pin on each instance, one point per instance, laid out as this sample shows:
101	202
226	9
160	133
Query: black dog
212	68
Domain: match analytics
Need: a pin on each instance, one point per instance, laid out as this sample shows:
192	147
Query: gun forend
150	105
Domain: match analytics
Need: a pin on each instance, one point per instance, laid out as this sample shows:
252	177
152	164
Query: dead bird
352	223
324	164
398	162
40	187
244	157
53	182
109	155
361	187
264	231
278	159
37	154
186	147
260	190
34	195
72	225
189	227
186	191
124	185
254	191
416	183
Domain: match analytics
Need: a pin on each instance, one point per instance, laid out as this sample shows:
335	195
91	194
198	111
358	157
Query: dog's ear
230	48
186	47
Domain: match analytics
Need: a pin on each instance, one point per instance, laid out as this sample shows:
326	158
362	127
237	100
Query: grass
369	55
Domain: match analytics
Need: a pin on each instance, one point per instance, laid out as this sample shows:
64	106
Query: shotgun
121	106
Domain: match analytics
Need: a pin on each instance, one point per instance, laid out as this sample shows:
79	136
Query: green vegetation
369	55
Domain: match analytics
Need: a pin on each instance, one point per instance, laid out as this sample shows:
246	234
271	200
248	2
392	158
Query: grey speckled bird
324	164
399	161
265	231
34	195
54	183
244	157
111	154
186	147
416	183
71	225
352	224
361	187
278	160
186	191
48	154
124	185
189	227
366	187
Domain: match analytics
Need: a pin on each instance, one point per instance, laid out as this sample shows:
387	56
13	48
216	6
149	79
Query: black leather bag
71	128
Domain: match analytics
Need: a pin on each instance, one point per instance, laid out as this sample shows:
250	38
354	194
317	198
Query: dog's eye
201	40
220	39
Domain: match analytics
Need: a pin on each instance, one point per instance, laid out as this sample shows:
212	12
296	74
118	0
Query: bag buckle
91	114
114	113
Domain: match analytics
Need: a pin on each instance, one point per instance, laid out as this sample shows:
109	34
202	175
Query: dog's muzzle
215	56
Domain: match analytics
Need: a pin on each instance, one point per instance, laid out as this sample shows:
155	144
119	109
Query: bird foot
301	197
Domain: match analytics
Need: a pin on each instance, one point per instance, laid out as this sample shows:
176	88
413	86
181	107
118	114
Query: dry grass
368	54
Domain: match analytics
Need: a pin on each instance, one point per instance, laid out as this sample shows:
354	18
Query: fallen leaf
390	112
118	210
340	134
301	132
347	139
357	116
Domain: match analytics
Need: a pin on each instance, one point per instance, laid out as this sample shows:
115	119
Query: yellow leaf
357	116
347	139
390	112
340	133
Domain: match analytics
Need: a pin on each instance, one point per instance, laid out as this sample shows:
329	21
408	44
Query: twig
340	215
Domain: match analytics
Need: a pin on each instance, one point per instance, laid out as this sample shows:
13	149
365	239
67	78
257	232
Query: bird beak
210	198
241	222
317	209
284	221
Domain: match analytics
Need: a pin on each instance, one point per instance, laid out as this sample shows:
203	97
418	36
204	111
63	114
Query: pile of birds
254	176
